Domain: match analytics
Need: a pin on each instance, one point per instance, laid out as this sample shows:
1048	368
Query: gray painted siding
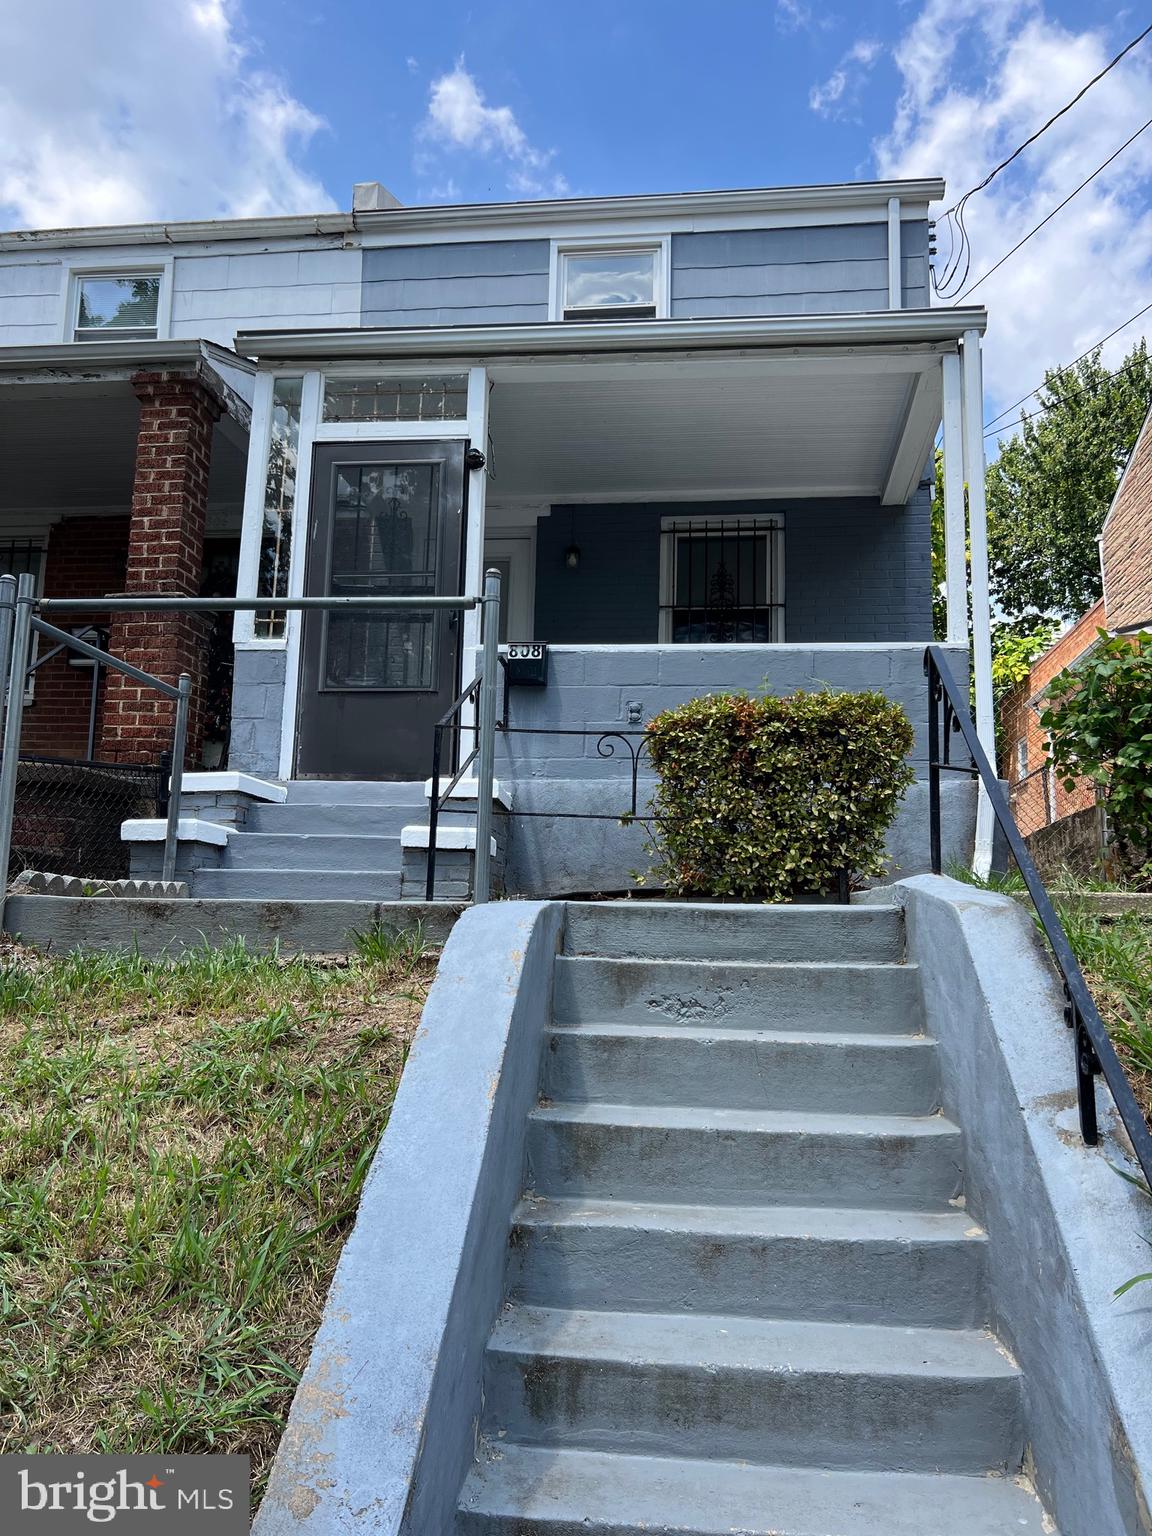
822	269
29	302
215	295
853	570
468	283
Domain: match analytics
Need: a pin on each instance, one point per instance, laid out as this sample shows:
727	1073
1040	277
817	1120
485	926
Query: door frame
452	555
313	430
518	547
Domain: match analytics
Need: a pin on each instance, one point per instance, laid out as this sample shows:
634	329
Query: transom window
603	284
722	581
117	306
399	397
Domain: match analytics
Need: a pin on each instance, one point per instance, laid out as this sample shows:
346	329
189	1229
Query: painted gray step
520	1490
272	850
335	820
155	928
297	884
871	997
781	1392
910	1268
743	1068
675	931
354	792
742	1157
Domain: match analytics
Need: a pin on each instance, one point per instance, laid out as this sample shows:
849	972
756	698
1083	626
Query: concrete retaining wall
382	1427
1064	1229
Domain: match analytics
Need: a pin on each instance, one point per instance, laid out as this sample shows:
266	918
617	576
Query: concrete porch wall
620	688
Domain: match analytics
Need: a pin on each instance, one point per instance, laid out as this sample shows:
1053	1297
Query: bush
1099	722
766	799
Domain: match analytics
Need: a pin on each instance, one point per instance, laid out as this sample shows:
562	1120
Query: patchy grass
1115	954
182	1149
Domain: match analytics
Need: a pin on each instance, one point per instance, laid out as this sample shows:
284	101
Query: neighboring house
693	432
1038	796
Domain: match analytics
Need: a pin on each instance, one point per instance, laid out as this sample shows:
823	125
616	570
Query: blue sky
232	108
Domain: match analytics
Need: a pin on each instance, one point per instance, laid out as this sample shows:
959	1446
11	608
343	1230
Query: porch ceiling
846	426
72	447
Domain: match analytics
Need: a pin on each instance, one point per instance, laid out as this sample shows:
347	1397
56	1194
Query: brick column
165	554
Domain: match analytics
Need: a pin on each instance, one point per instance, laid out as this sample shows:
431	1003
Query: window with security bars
722	581
19	557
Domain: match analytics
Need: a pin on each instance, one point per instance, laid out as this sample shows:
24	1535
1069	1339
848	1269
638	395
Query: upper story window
112	306
607	283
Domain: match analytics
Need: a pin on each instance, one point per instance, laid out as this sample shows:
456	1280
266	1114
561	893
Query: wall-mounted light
572	556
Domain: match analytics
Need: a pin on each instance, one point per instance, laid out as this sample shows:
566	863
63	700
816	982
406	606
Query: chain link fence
68	814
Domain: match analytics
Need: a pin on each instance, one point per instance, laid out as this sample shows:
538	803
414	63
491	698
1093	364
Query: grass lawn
182	1147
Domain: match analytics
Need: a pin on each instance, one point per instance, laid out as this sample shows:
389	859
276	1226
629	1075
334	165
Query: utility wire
960	253
1122	326
1055	211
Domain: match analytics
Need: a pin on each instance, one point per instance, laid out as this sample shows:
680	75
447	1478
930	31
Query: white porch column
973	414
955	574
477	480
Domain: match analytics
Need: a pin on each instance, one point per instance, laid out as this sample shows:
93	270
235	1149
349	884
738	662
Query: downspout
974	469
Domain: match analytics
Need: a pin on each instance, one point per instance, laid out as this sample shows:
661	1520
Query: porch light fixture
572	556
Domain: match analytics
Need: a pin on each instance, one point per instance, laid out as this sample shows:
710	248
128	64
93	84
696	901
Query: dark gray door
387	521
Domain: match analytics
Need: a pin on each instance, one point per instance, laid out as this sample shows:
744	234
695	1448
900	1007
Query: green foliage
1099	718
1014	648
939	558
1050	488
765	799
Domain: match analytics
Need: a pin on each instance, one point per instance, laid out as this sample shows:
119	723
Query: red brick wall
86	558
165	554
1126	545
1019	721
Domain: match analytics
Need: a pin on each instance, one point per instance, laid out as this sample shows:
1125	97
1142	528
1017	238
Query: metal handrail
19	610
1094	1051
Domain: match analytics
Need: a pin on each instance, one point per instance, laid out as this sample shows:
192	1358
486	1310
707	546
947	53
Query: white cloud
134	111
798	16
838	96
1091	267
460	119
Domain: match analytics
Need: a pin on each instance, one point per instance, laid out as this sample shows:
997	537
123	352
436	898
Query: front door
387	521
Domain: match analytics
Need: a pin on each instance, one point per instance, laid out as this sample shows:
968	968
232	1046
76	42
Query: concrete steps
329	841
743	1294
743	1068
825	1263
520	1490
297	884
756	1389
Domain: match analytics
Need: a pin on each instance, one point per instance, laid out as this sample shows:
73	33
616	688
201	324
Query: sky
232	108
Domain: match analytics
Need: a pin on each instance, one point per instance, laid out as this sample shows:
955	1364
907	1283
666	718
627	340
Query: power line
1055	211
1043	410
960	253
1121	327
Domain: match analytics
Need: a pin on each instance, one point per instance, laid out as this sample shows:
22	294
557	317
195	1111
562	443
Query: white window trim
671	526
108	266
661	245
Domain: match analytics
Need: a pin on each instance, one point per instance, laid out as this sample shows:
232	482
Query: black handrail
448	721
1094	1051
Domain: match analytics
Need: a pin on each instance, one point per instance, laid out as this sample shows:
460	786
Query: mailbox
526	663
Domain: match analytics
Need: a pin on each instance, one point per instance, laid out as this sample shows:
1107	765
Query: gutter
853	194
80	356
909	327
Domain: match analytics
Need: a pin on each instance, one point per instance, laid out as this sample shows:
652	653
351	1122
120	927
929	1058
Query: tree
1050	488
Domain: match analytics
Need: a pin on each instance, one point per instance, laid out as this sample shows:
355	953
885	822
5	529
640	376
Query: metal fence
68	813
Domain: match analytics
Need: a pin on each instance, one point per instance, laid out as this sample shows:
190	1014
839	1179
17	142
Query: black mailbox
526	663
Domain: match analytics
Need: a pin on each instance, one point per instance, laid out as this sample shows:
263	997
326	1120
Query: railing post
13	721
486	754
934	765
433	815
179	746
7	618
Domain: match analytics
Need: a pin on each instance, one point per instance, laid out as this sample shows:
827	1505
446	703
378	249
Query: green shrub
1099	721
765	799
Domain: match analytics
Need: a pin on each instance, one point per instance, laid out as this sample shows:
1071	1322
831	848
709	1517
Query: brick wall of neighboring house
1039	798
1126	543
165	554
85	558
